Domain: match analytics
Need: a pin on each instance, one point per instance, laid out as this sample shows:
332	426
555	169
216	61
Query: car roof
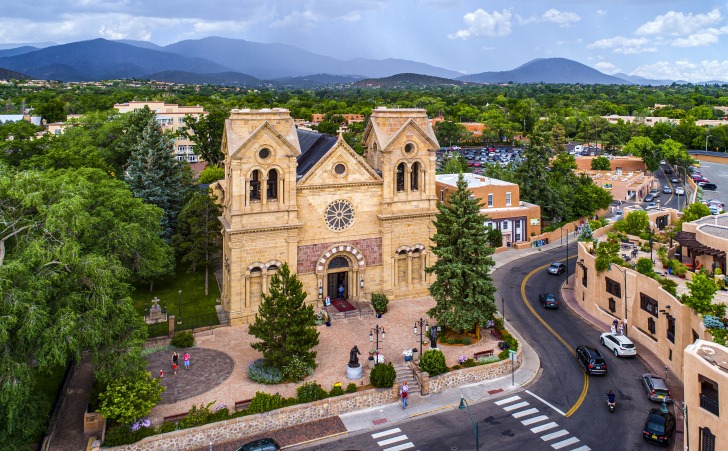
556	263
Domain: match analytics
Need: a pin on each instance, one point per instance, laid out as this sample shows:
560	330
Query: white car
620	345
679	190
651	206
714	210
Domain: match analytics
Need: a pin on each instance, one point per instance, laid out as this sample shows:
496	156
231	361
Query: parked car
667	170
666	189
265	444
659	427
591	360
548	300
651	206
674	180
714	210
655	192
710	186
656	388
619	344
715	202
649	198
679	190
557	268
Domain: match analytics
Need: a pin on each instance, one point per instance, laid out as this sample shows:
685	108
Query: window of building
255	185
707	440
651	325
409	147
180	120
671	329
505	225
613	288
442	195
490	200
709	399
400	177
649	305
508	199
612	305
181	158
414	176
192	158
340	169
584	280
272	192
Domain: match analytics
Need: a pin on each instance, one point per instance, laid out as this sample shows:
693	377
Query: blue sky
666	39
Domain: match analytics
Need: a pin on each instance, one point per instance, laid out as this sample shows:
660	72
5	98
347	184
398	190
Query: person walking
175	359
621	329
341	291
186	359
404	392
174	369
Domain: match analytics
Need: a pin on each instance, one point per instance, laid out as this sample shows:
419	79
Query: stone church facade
337	218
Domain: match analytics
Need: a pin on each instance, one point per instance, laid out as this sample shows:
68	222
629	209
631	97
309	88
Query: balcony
709	404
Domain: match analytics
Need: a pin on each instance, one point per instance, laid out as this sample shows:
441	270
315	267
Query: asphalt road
575	403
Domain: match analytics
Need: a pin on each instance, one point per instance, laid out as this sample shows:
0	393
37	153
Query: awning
688	240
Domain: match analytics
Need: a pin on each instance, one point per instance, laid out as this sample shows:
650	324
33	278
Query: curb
313	440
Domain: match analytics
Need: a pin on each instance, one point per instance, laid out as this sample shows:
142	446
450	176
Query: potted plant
379	303
680	270
407	355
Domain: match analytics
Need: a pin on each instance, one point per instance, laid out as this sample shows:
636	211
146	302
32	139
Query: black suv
659	427
591	360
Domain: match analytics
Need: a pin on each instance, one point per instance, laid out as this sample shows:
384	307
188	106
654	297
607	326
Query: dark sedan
548	300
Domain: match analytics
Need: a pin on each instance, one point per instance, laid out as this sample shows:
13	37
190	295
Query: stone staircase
404	373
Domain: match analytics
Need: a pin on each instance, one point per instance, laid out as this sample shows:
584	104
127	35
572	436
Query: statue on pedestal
433	337
353	359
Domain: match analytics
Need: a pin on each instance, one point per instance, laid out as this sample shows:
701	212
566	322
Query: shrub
183	340
351	388
295	369
198	416
167	427
260	372
336	390
152	349
309	392
486	360
433	362
456	367
645	266
380	301
504	354
123	435
264	402
469	363
466	341
383	375
131	397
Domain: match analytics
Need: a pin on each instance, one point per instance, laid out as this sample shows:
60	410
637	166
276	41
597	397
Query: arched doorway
337	277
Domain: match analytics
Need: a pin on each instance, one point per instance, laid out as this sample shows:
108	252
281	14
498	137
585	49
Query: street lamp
423	325
464	405
376	330
179	308
626	329
684	410
706	142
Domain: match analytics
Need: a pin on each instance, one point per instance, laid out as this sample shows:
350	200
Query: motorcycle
611	402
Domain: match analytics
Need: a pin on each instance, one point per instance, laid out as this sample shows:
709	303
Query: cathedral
347	225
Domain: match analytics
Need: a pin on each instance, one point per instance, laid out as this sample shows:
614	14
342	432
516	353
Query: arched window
272	192
338	262
415	177
400	177
255	185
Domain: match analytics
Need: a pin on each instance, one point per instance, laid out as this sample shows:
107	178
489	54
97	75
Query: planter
682	276
370	362
328	323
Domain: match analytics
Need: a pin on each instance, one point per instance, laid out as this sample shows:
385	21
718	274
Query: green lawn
196	309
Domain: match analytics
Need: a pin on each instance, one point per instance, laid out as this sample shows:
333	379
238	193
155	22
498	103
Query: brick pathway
208	369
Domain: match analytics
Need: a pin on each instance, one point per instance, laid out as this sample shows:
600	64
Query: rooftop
473	180
713	353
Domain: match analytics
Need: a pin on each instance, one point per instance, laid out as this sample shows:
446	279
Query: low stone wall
466	376
246	426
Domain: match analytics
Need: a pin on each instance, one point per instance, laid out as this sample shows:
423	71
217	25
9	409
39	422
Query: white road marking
567	442
537	419
385	433
523	413
554	435
515	406
546	402
507	400
389	441
544	427
582	448
400	447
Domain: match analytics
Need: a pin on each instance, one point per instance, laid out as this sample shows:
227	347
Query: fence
196	323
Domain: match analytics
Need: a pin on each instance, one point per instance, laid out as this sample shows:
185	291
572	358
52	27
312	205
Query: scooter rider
611	397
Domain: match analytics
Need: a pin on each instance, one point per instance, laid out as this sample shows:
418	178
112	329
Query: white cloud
705	70
483	23
696	40
621	44
607	68
678	24
561	18
601	12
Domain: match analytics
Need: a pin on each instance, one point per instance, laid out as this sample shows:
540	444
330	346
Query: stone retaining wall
241	427
466	376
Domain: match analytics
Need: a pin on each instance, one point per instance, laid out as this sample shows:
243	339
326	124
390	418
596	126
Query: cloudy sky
669	39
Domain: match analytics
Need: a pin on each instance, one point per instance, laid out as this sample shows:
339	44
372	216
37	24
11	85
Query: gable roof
314	146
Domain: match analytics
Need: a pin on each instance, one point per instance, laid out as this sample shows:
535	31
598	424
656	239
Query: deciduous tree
206	132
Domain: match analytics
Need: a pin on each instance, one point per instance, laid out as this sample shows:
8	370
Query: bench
242	405
174	418
486	353
496	333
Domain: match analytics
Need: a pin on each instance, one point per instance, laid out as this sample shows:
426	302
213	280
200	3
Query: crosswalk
390	437
549	431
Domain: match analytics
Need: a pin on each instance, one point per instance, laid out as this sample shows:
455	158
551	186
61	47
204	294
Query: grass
196	309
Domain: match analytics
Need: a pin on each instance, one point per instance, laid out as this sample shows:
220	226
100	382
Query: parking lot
718	174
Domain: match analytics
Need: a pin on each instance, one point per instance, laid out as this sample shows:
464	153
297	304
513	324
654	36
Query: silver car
656	388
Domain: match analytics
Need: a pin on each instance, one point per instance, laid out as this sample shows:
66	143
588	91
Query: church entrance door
337	278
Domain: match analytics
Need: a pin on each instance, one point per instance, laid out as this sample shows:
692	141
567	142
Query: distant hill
273	61
407	81
12	75
101	59
311	81
18	51
141	44
637	80
220	78
548	70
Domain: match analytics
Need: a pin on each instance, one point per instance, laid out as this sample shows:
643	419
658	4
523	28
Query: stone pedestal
354	373
155	313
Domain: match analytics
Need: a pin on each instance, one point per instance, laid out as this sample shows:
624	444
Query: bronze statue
353	359
433	337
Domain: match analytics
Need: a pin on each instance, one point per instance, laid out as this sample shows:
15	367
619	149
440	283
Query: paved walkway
68	434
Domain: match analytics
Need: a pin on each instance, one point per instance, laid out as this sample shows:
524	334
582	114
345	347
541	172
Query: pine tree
464	289
586	232
285	324
198	238
156	177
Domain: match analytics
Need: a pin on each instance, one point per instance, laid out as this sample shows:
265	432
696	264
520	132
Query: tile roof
314	146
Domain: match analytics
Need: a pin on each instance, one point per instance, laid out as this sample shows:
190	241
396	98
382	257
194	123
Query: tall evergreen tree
535	180
285	324
198	240
156	177
464	289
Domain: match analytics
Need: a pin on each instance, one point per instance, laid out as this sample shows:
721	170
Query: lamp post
626	328
503	308
706	142
423	325
179	307
652	233
464	405
684	410
376	330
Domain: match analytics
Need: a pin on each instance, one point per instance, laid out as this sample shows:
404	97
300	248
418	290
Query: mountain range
216	60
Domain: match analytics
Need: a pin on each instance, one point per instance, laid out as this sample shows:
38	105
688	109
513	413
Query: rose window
339	215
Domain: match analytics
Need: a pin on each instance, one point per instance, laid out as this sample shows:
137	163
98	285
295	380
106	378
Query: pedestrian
614	330
621	329
404	392
174	369
328	300
161	374
175	359
186	359
615	325
341	291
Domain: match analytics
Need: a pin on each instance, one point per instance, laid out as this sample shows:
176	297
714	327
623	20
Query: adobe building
501	202
338	219
627	179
